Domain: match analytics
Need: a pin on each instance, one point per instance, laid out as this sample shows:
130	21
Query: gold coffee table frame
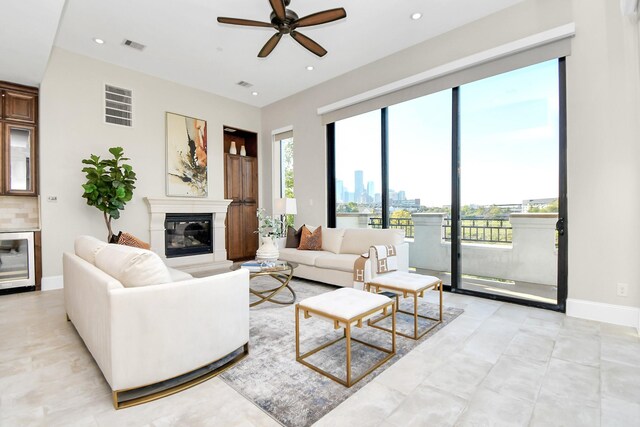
282	272
388	309
400	290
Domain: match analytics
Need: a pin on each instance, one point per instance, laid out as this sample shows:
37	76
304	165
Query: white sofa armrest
86	300
162	331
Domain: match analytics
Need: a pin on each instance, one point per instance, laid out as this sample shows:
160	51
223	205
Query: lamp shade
285	206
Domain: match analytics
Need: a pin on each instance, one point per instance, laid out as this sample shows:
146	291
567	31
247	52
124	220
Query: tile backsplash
19	213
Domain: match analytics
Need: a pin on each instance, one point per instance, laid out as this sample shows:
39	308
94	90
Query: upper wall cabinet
18	139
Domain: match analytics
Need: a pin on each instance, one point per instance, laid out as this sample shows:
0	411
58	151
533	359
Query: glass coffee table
281	271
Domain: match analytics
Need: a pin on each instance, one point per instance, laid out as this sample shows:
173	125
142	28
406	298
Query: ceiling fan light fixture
416	15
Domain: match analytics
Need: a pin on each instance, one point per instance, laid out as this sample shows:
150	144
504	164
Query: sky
509	141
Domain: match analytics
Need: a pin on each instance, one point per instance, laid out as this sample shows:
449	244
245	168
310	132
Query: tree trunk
107	220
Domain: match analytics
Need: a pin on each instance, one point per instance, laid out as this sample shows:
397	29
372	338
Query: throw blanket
387	260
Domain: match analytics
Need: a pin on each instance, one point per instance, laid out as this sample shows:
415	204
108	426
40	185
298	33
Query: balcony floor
523	290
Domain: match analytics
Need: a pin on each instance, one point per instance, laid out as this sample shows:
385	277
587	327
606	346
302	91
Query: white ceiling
185	44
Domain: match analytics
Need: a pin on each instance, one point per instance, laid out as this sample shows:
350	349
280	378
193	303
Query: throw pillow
132	266
131	240
332	239
311	241
293	237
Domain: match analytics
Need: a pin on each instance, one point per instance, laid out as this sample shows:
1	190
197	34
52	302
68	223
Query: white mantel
160	206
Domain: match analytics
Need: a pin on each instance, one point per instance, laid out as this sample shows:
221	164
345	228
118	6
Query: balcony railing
482	230
405	224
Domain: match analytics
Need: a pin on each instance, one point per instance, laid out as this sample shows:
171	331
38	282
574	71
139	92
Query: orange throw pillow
131	240
311	241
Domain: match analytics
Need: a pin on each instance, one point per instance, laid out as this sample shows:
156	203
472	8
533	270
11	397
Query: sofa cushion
301	257
359	240
311	241
178	275
332	239
132	266
293	237
341	262
86	247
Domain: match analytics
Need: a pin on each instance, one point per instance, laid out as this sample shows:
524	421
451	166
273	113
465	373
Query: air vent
229	130
117	106
133	45
244	84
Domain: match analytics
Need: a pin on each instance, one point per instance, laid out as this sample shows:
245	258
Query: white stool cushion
345	303
404	281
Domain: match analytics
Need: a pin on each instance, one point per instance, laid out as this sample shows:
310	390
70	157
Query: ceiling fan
286	21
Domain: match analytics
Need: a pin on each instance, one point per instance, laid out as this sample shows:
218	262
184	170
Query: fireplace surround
215	258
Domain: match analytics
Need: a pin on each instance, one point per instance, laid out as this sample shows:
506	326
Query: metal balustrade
473	229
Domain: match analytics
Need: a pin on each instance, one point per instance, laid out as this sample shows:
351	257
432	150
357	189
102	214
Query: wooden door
233	178
250	225
250	179
19	106
234	232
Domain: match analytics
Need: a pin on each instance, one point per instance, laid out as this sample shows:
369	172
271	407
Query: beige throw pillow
132	266
332	239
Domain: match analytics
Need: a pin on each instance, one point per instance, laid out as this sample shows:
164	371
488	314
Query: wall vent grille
244	84
133	45
118	106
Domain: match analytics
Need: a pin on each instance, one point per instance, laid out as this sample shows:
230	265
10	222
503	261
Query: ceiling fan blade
247	22
278	9
308	44
321	17
269	45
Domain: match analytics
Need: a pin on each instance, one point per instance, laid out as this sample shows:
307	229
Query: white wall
603	120
72	128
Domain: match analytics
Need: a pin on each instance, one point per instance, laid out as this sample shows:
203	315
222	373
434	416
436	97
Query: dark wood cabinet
18	140
241	186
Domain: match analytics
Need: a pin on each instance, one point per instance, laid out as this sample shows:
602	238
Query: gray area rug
290	392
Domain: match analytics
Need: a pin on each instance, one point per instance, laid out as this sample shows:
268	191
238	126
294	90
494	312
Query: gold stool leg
297	332
348	336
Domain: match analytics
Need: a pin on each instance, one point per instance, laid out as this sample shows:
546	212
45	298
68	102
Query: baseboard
50	283
608	313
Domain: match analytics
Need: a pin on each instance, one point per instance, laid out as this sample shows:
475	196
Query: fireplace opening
188	234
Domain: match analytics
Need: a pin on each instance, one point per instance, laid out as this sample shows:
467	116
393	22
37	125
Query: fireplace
215	212
188	234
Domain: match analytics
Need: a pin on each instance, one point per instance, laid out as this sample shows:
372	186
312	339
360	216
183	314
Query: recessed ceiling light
309	67
416	16
254	93
99	41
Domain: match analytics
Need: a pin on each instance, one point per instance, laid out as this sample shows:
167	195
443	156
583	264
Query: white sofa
144	323
340	249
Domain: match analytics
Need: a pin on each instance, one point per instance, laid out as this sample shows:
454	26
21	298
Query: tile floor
497	364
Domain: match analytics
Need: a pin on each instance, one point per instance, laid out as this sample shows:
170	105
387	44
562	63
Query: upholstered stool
346	308
406	285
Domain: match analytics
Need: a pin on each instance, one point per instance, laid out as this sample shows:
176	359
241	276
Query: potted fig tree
110	184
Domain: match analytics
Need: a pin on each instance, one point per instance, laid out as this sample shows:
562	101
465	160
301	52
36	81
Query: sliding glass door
509	183
474	175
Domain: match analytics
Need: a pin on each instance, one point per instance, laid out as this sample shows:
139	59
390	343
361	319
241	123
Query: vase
268	251
232	149
243	151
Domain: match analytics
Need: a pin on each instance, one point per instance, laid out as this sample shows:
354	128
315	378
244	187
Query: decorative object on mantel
243	151
186	156
269	229
232	148
109	185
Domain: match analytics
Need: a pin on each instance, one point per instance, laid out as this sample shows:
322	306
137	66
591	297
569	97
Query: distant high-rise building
340	191
371	190
359	184
377	198
402	195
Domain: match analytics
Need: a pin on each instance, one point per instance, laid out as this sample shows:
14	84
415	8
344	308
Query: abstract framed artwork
186	156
